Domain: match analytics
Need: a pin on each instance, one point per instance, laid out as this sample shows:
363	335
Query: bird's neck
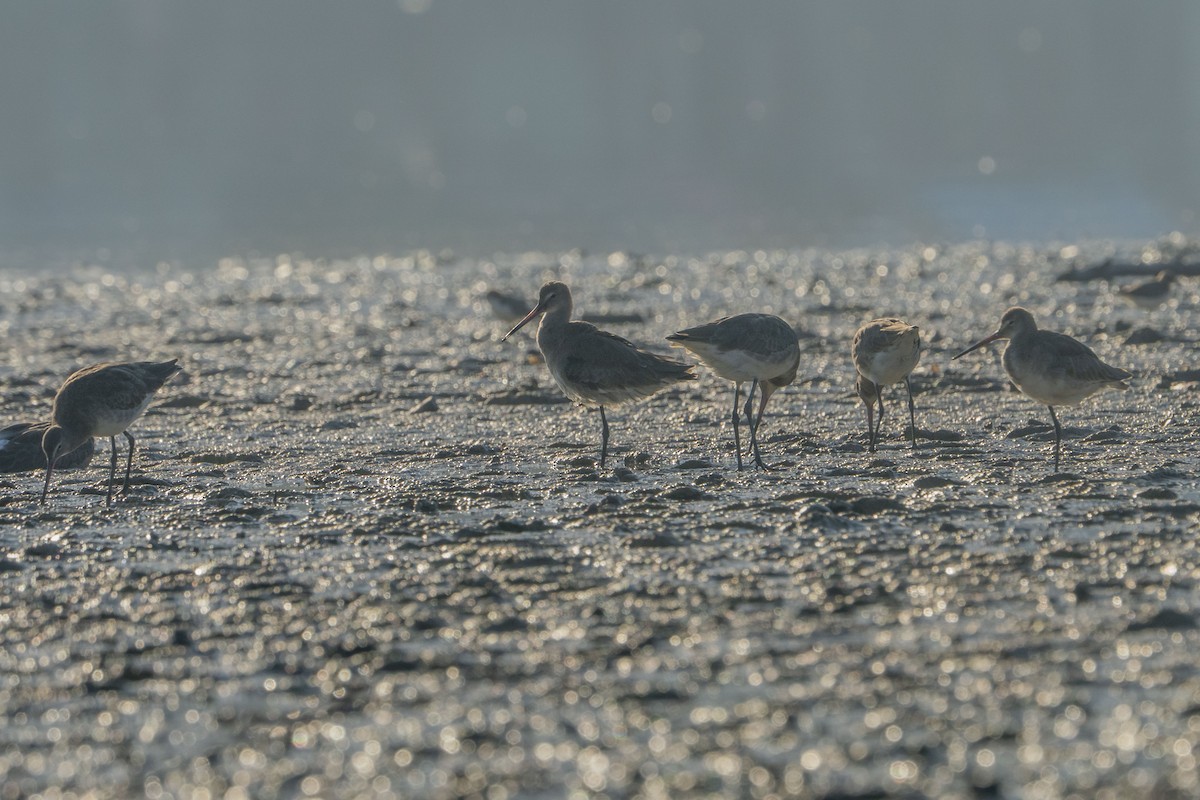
1022	334
555	319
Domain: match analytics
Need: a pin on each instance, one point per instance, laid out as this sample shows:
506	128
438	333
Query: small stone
1144	336
1165	619
578	462
44	550
301	402
230	493
871	506
934	482
686	493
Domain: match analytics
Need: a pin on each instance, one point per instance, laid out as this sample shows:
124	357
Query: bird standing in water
885	351
760	348
594	367
1050	367
102	400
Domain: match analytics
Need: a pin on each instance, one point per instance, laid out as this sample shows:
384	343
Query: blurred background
191	130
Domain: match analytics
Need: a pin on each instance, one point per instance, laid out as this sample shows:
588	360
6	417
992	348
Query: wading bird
885	351
594	367
102	400
760	348
1050	367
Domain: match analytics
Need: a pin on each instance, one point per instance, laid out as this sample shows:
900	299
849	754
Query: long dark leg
748	410
878	422
870	427
128	463
737	439
751	422
753	425
912	414
603	437
1057	436
112	468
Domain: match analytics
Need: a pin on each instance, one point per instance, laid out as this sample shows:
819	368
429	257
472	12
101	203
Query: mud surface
368	551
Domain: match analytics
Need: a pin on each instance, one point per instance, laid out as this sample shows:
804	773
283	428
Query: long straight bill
539	308
979	344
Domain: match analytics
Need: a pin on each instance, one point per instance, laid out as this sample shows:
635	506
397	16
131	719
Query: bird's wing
1080	362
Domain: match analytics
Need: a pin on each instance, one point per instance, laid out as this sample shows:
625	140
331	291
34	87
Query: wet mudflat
368	551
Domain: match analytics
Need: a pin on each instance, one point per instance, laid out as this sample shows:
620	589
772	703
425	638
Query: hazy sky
195	129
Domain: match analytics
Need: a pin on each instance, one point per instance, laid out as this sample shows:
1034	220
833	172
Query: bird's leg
878	422
753	426
912	414
754	421
737	439
1057	435
603	437
870	427
128	463
112	468
763	397
747	409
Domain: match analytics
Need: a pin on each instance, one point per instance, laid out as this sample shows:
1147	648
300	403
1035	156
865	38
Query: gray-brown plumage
1050	367
21	449
102	400
1150	294
885	351
761	348
506	307
594	367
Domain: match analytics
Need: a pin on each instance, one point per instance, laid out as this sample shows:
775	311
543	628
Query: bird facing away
1151	294
594	367
21	449
760	348
1050	367
102	400
885	351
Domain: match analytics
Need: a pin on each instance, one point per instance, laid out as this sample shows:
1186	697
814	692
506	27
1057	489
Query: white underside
113	423
739	365
1056	389
890	366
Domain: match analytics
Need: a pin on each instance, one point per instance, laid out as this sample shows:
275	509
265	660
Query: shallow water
316	589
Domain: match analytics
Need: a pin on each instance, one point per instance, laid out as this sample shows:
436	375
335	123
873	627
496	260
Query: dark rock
1166	619
686	493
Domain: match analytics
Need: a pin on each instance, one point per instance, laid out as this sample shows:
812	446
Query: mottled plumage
21	449
594	367
885	351
102	400
760	348
1050	367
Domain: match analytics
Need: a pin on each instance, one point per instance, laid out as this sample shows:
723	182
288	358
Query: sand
368	551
